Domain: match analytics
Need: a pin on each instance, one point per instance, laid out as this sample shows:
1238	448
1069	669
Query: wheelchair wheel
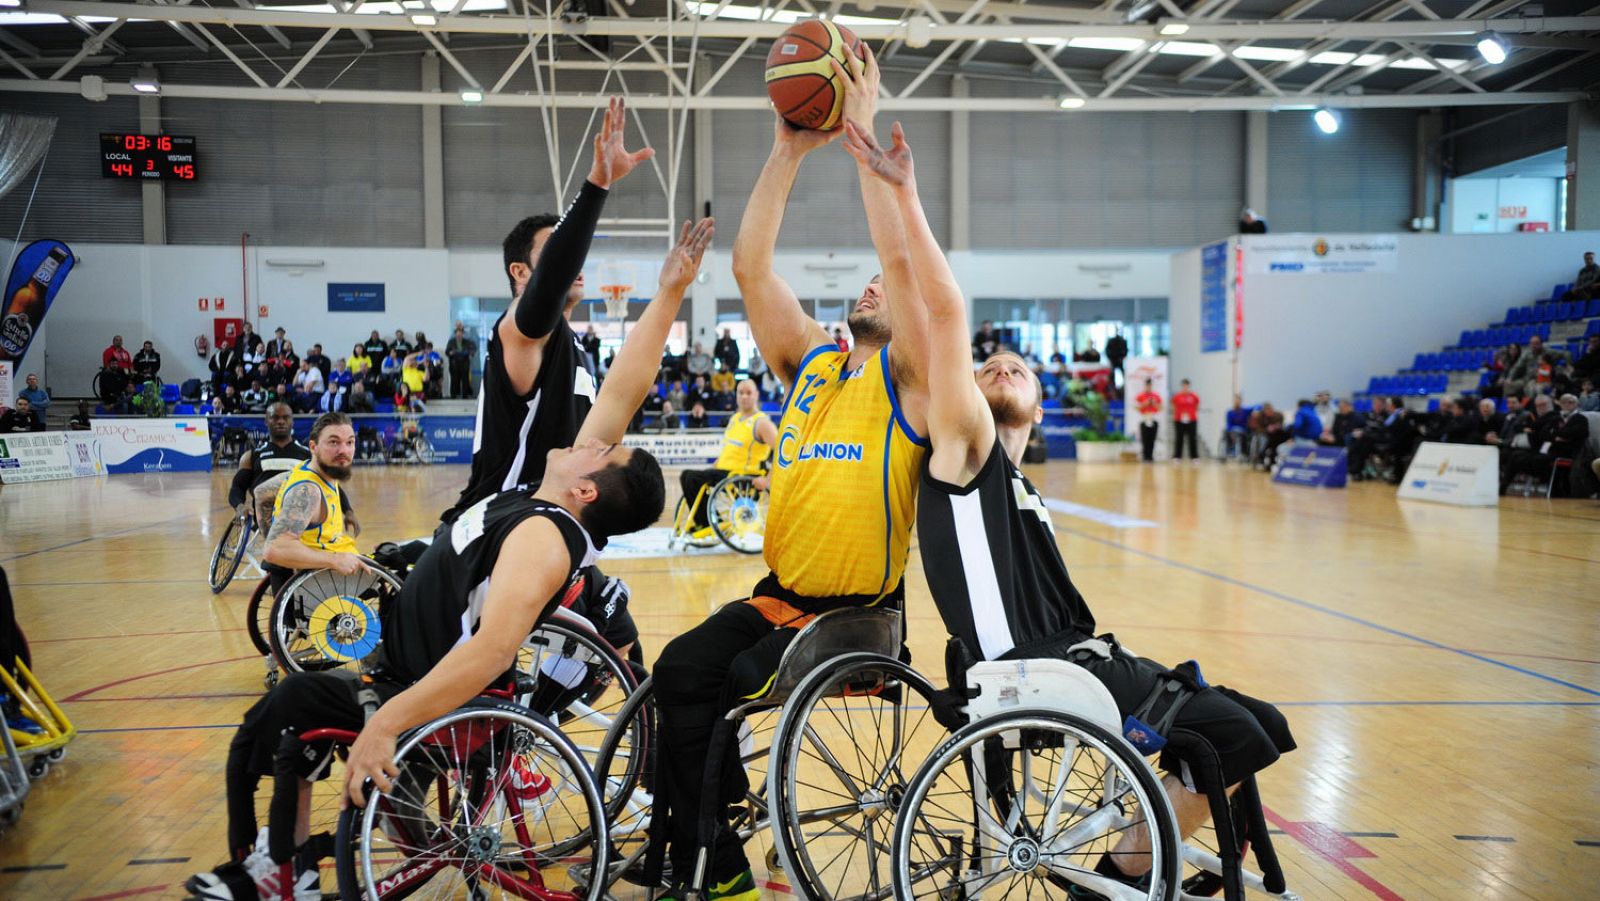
323	620
1031	800
230	550
683	528
258	619
737	510
847	743
625	769
485	799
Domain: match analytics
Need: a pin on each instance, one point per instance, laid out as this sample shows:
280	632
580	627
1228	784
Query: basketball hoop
616	297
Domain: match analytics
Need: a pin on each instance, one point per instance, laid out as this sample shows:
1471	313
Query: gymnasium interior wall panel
1355	180
1504	138
1103	180
337	175
73	201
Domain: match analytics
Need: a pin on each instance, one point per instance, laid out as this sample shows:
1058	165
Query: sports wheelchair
736	510
233	549
829	749
1041	783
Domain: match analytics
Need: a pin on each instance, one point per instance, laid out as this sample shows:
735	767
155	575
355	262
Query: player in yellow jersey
844	486
746	444
310	527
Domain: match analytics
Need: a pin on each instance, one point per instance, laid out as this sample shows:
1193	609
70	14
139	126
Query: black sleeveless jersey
989	551
443	597
515	431
272	460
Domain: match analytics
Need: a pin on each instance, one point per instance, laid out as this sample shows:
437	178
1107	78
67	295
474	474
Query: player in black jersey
278	454
989	547
481	587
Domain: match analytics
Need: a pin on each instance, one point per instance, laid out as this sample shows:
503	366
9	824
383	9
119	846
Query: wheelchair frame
732	532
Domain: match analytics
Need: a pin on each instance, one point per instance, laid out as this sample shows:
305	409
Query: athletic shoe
270	881
529	788
740	888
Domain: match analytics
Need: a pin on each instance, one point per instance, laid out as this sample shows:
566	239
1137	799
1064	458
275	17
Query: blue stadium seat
169	393
1543	332
1363	405
1557	291
1594	307
1419	362
1593	329
183	410
383	406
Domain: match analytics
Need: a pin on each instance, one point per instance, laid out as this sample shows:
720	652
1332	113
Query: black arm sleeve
242	482
544	299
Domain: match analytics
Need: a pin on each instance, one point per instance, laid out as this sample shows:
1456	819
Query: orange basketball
800	81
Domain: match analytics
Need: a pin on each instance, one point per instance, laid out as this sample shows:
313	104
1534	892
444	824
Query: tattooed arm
301	508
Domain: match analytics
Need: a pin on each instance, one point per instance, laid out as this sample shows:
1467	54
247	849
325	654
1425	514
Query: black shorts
1248	734
301	702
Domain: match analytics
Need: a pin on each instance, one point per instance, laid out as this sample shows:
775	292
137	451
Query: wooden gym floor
1440	666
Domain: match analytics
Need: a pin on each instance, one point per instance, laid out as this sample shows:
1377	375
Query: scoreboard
170	157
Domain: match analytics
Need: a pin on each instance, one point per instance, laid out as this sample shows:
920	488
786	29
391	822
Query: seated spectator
1345	421
1486	423
316	358
699	392
1236	434
839	339
433	362
1364	440
1587	366
1266	431
254	398
223	362
254	357
280	394
359	361
1587	284
21	418
1554	436
376	348
1087	355
676	396
698	362
985	341
147	362
697	418
340	376
1453	424
1517	413
1322	405
722	387
1589	398
1306	427
1533	367
37	397
228	402
359	400
408	401
401	344
123	404
116	356
308	380
80	420
392	364
279	345
414	375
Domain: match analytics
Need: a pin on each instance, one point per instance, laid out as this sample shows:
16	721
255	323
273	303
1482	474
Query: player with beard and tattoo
989	548
849	446
311	526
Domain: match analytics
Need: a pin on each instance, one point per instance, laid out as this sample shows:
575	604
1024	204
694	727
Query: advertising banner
1321	254
1214	297
46	456
1461	474
36	276
8	396
354	297
451	437
680	448
154	445
1313	466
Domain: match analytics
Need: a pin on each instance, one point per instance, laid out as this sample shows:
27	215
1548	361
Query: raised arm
783	331
535	313
638	361
959	422
908	319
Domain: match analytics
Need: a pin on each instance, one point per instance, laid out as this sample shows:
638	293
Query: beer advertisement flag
36	276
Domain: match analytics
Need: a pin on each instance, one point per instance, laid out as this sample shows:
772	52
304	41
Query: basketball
800	81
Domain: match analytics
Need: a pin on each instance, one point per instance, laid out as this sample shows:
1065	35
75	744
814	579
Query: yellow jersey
741	453
329	535
414	377
844	490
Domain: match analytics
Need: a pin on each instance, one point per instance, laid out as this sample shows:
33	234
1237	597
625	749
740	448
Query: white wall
151	293
1304	332
1473	204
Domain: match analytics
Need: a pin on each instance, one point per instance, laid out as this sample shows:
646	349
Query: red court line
135	635
129	893
160	672
1335	848
200	697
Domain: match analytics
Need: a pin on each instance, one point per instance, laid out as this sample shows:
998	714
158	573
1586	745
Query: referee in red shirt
1185	416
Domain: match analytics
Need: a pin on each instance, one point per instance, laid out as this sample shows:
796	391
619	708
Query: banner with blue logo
154	445
355	297
37	275
451	437
1313	466
1214	297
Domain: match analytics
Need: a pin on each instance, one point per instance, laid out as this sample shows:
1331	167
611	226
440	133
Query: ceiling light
424	19
1491	47
1072	102
1173	29
1327	120
146	82
10	4
470	95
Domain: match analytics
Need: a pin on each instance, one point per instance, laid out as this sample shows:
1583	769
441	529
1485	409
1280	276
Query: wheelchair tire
258	617
229	553
737	511
683	530
322	620
824	767
454	811
625	770
1116	789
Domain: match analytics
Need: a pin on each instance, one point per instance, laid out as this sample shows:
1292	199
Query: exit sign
1513	212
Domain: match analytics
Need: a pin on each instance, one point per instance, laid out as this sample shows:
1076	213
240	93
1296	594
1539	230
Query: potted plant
1094	444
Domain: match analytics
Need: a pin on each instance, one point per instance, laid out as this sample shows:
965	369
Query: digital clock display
148	156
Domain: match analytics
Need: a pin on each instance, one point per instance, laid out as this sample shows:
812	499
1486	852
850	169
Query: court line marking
79	696
1484	838
128	893
1334	848
1320	608
1585	843
150	861
157	728
1095	514
117	534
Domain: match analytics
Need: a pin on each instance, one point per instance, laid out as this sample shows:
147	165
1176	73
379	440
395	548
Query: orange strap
781	614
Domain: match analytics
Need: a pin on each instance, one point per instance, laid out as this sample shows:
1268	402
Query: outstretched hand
893	165
803	140
612	161
683	261
859	76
